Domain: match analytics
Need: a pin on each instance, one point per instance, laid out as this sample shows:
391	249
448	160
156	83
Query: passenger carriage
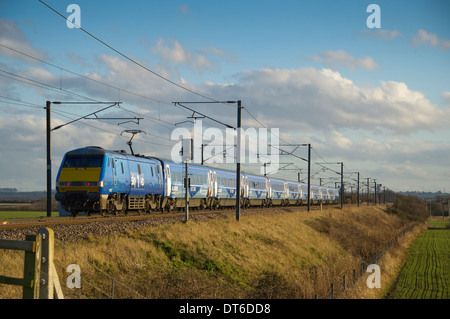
277	192
315	195
293	193
255	193
324	195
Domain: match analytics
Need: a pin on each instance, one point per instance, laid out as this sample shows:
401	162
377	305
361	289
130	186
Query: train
94	180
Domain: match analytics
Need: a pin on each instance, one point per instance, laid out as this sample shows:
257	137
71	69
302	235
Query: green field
425	274
24	214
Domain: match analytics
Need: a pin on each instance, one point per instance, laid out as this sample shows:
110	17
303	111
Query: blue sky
376	99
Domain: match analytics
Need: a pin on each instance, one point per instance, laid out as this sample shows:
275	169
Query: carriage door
215	184
160	178
168	181
246	194
114	172
209	184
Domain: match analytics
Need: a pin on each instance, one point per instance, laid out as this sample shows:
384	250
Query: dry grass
285	255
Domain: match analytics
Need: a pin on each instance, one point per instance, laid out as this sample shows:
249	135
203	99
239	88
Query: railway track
48	221
68	220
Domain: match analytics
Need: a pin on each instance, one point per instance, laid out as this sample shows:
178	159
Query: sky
368	88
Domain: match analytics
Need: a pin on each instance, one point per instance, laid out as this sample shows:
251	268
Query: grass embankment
425	274
286	255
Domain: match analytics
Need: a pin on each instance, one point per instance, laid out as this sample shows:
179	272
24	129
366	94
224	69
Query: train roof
89	150
97	150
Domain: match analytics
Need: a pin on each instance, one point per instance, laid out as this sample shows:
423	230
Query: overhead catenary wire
56	89
83	76
60	113
86	78
112	86
64	114
133	60
45	85
48	86
104	121
21	103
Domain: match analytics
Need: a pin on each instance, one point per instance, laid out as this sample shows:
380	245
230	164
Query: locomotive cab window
83	161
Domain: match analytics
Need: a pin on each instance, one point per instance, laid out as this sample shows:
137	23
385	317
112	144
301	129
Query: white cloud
183	9
175	53
324	99
341	141
446	98
445	45
26	140
305	98
340	58
12	37
424	37
382	34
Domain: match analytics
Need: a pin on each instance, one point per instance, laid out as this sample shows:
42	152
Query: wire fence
340	288
106	286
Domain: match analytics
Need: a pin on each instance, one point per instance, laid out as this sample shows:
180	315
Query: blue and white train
94	180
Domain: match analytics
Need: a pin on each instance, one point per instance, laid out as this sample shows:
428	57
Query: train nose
60	197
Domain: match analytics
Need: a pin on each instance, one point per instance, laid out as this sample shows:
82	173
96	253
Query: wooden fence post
32	268
39	275
343	283
354	276
49	278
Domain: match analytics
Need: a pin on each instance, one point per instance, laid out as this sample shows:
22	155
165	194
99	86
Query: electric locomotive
94	180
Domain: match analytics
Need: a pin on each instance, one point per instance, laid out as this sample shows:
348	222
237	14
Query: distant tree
410	208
